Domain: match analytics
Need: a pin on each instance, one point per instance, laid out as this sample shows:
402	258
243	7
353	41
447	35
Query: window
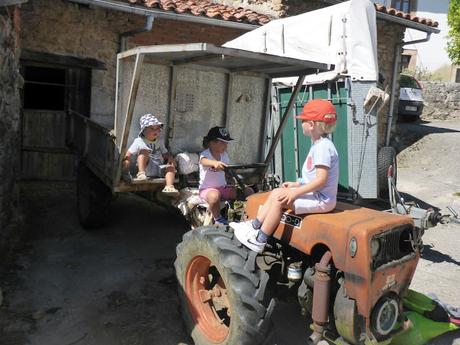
409	82
44	88
402	5
57	88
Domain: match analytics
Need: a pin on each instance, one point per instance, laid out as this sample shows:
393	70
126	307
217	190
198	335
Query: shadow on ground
408	133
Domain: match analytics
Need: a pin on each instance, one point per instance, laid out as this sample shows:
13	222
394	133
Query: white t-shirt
210	177
157	148
323	152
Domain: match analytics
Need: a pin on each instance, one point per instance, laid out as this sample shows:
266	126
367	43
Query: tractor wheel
385	158
225	297
93	198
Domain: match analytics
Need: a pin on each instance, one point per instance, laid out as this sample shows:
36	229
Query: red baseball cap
317	109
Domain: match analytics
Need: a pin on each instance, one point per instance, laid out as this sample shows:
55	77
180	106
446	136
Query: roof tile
207	9
241	15
394	12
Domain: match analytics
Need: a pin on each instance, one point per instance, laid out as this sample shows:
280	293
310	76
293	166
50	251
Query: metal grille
394	245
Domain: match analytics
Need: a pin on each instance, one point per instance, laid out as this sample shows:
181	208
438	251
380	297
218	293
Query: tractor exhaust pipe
321	292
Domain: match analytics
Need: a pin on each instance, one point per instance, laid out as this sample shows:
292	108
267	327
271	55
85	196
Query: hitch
423	218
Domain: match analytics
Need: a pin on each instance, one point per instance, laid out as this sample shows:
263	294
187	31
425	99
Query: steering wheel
230	170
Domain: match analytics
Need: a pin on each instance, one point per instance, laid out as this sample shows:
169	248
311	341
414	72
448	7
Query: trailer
190	88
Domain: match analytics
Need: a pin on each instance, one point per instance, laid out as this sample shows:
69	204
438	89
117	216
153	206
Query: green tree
453	43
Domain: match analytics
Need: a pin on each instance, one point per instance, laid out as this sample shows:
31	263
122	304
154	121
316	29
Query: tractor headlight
384	315
353	247
375	247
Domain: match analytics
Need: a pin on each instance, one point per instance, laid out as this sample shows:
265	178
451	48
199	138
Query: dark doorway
50	92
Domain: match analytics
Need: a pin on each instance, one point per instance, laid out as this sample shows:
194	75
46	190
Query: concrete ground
116	286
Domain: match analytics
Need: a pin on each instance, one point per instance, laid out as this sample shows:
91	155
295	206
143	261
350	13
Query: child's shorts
226	192
311	203
154	169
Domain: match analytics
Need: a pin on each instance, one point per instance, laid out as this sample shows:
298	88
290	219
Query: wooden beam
63	60
12	2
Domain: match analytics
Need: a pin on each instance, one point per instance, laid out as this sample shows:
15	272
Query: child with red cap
315	192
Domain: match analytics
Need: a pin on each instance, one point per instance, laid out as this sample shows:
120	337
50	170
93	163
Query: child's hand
287	196
171	161
290	184
218	165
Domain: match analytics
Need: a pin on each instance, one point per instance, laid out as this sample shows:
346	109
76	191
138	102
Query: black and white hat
148	120
219	133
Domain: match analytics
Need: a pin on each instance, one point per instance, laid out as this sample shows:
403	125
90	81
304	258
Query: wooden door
49	92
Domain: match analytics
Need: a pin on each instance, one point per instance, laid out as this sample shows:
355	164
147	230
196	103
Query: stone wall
61	27
10	84
441	100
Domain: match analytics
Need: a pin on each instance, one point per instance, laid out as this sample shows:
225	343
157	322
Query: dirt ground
116	286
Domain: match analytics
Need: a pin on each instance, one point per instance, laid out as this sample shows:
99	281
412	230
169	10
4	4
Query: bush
453	43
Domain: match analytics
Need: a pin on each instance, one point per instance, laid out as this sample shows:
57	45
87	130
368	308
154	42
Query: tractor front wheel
225	297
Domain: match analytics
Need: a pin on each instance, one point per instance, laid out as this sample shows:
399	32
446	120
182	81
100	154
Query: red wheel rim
208	300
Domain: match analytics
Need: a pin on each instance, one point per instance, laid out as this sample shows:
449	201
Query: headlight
353	247
385	315
375	247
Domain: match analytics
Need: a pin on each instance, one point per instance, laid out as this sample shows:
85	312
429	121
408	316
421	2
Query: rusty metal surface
334	230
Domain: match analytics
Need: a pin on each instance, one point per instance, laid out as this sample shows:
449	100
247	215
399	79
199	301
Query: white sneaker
247	235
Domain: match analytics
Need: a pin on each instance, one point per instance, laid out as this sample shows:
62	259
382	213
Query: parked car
410	97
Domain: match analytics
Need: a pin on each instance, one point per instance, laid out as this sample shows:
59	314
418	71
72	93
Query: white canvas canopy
342	35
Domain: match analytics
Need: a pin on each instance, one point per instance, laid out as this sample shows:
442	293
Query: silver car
410	97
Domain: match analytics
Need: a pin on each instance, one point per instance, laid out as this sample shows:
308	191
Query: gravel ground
116	286
429	172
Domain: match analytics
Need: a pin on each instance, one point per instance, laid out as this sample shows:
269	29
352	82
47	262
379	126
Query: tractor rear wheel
93	198
225	297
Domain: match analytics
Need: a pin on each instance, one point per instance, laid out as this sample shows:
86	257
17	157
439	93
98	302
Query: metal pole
288	109
397	63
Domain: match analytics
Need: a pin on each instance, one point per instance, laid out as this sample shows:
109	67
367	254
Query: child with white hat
149	147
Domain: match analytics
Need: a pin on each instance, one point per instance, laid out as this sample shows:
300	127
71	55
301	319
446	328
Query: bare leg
142	160
273	217
213	199
273	197
170	173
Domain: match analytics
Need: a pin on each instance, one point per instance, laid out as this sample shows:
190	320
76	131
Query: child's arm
169	158
289	195
127	160
211	163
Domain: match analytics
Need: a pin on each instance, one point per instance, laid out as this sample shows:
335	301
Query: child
151	154
315	192
213	160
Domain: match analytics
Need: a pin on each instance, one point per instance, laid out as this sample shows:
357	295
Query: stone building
66	52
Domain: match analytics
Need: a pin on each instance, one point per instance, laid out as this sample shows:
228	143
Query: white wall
431	54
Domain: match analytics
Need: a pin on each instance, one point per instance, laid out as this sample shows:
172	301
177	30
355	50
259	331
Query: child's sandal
170	190
141	176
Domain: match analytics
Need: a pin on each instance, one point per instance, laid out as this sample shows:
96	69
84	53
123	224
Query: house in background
430	56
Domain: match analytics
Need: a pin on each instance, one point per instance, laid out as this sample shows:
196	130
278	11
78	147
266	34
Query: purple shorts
226	192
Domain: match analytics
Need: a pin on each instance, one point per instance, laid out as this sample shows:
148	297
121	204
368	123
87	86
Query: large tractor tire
225	297
93	199
385	158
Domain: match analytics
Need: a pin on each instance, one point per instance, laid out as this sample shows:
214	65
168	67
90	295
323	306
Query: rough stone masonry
441	100
10	84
